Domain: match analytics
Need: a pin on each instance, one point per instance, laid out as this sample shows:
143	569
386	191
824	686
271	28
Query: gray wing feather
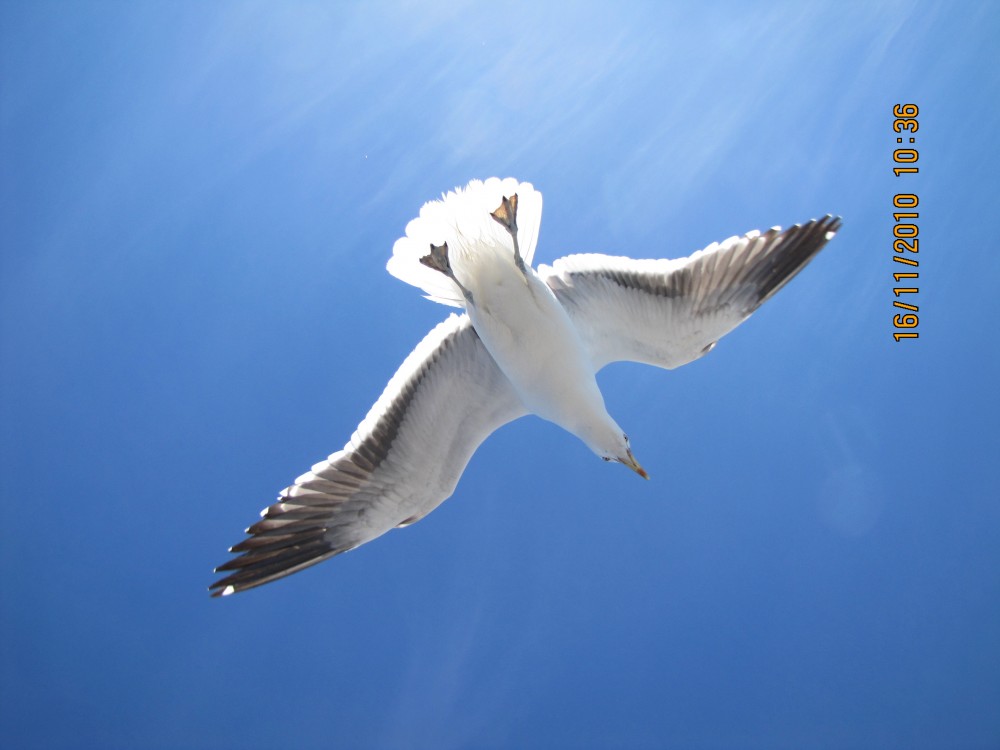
670	312
402	462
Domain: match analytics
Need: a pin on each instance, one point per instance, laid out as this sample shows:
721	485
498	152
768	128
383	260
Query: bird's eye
626	437
606	458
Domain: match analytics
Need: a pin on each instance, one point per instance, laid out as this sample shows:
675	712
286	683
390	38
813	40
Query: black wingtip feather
785	262
254	569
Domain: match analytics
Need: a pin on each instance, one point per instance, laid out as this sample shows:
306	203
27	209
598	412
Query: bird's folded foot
506	216
438	260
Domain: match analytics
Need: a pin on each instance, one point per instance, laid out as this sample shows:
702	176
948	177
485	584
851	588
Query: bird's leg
506	216
438	260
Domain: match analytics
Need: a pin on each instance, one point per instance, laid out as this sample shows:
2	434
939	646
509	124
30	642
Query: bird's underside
408	454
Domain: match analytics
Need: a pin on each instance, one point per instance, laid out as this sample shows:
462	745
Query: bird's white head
613	445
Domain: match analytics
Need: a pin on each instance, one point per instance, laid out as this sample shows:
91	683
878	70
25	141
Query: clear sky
197	201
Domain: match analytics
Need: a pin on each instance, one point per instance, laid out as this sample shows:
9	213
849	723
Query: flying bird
530	341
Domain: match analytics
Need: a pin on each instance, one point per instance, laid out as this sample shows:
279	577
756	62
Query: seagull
529	341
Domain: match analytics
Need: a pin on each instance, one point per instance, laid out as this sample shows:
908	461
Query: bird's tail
462	220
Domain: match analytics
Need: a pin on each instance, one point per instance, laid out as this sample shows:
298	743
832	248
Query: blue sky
197	201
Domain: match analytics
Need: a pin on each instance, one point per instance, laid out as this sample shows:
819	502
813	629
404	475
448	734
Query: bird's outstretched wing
402	462
670	312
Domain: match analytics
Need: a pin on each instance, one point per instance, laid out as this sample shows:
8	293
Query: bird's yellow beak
630	462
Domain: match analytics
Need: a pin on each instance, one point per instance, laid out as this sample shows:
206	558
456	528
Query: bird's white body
531	341
549	368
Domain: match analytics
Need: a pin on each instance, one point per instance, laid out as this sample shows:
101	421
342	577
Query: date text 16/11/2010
904	230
